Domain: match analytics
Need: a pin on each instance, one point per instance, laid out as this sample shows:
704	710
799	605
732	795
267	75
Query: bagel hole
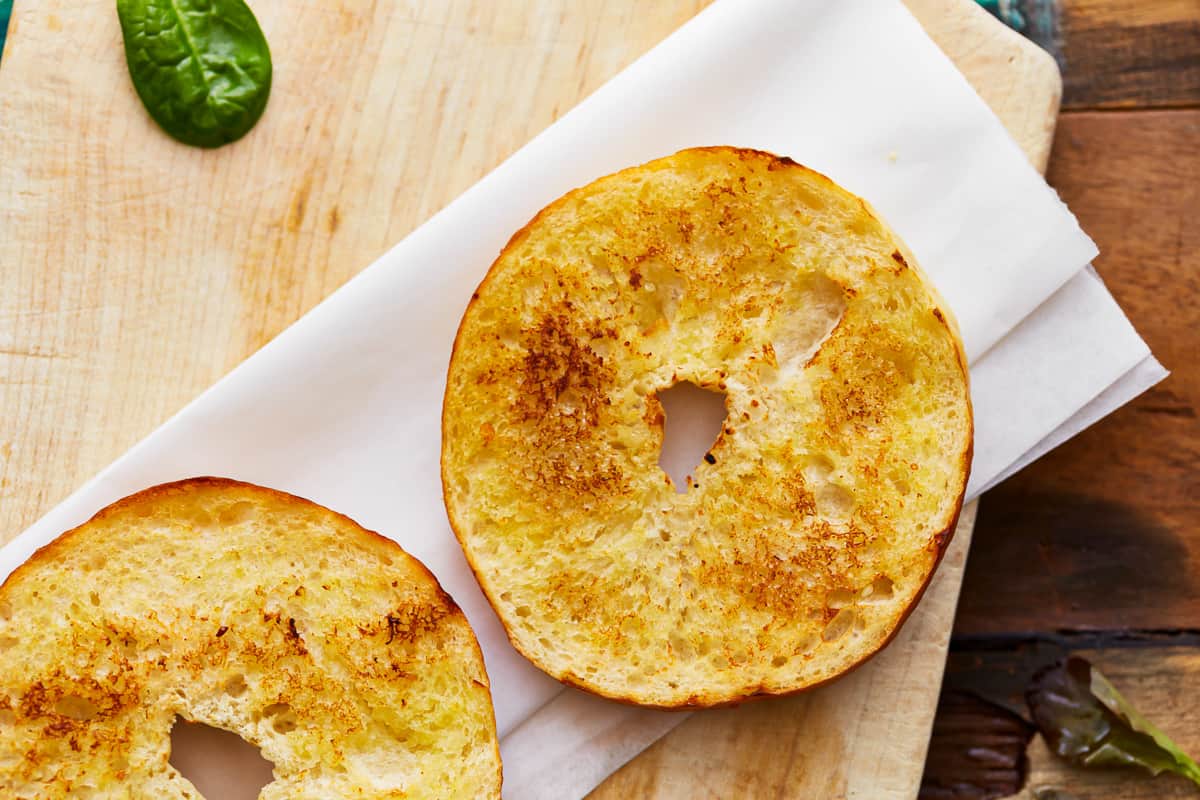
693	420
220	764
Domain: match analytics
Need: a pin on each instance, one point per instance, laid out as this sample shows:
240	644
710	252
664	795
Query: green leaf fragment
1086	721
1107	694
201	67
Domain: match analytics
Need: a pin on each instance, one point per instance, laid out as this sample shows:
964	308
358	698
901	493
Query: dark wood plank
1118	53
1159	675
1105	531
977	750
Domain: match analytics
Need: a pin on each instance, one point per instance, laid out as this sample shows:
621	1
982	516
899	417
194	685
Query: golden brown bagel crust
248	609
818	516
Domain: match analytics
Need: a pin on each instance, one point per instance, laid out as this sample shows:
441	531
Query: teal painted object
5	13
1006	11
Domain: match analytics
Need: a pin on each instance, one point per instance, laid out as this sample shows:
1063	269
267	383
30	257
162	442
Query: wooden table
1111	518
1095	549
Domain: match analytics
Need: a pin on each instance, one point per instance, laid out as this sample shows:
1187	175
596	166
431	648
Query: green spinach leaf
201	67
1085	720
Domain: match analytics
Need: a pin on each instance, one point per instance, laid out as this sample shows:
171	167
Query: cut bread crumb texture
820	513
250	610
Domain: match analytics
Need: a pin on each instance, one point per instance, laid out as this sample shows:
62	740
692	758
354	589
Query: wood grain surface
134	272
977	748
1094	549
1166	679
1111	516
1159	674
1120	53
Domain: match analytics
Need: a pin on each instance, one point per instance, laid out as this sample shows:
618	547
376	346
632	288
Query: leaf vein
191	46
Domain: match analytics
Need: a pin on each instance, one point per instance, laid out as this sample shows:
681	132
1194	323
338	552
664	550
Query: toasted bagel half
818	516
247	609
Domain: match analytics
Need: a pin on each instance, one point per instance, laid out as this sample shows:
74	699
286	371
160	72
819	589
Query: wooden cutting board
134	272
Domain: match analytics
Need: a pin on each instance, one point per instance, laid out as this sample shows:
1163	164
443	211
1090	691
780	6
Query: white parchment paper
344	406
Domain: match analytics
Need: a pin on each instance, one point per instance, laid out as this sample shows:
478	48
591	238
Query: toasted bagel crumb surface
840	472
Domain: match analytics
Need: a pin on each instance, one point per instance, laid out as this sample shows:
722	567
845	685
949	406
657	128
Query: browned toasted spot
768	582
577	594
684	225
293	637
564	381
34	702
409	622
799	499
848	403
565	391
68	703
578	473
